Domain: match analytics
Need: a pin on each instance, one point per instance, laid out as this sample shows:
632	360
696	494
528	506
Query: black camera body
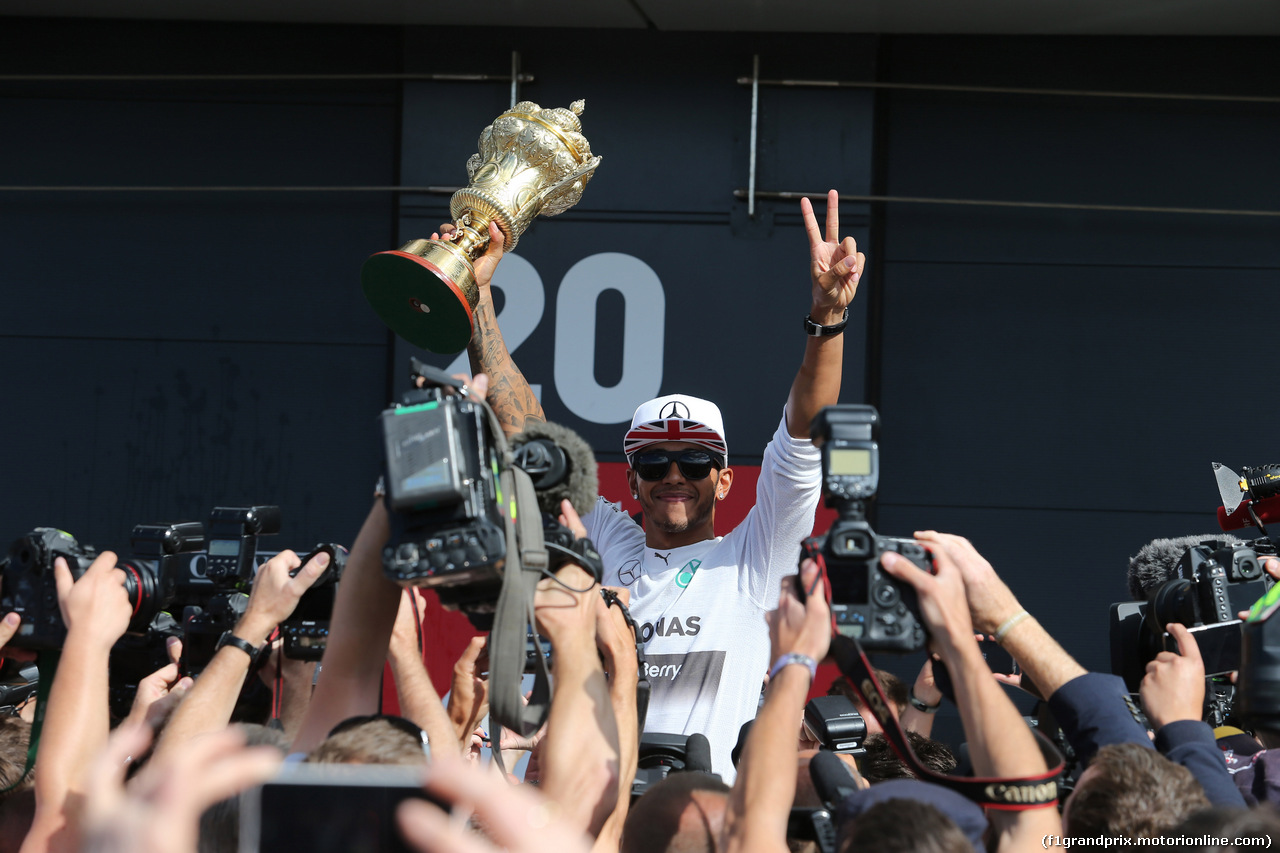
664	753
867	603
447	532
160	555
1216	579
306	631
213	595
29	588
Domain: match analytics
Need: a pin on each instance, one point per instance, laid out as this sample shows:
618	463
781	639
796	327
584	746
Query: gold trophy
531	161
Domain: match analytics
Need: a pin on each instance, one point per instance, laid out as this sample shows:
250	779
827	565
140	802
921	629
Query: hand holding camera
801	627
941	595
276	592
1173	688
991	602
96	607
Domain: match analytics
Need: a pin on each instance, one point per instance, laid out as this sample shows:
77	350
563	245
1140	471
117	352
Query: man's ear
631	482
723	483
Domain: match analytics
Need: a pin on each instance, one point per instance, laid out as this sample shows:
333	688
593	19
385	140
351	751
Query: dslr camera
29	588
867	603
213	592
306	632
30	591
1213	580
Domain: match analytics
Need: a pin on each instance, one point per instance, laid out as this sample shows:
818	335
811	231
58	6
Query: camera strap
643	687
47	666
1032	792
526	560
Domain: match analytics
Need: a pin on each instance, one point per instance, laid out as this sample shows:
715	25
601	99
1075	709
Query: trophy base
418	301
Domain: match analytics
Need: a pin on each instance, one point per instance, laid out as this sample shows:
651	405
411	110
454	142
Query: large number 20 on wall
576	333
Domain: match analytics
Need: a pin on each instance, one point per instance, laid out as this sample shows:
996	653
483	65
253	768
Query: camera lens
141	582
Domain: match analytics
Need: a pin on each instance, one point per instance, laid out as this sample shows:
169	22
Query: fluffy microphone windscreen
578	481
1157	562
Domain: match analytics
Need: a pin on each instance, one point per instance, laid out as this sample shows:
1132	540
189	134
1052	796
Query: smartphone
330	808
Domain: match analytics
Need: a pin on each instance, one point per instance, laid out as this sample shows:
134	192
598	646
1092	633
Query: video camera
1258	696
448	532
867	603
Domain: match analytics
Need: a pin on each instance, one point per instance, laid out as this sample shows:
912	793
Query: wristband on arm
788	659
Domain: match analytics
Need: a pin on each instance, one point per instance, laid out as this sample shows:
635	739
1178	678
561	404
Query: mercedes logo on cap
674	409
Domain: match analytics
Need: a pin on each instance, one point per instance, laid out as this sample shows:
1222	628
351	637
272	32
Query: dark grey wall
1057	383
167	351
1054	384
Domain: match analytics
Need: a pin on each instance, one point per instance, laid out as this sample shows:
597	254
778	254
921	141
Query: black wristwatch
813	330
230	639
919	705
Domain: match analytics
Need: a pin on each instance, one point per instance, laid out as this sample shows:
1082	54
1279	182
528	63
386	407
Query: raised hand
96	604
469	693
515	817
161	691
801	627
276	592
484	265
835	265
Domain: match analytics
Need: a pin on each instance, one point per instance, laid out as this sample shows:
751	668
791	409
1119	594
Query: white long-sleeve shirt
700	609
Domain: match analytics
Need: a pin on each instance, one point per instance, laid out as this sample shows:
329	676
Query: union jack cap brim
673	429
677	417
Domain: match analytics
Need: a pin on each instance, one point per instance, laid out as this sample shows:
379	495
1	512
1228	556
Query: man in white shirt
699	601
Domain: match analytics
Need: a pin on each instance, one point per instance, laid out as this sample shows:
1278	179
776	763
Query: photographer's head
678	458
1131	791
684	813
372	739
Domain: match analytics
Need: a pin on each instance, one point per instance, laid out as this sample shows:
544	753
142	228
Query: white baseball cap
676	417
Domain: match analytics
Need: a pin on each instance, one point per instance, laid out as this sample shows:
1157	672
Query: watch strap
230	639
921	706
813	330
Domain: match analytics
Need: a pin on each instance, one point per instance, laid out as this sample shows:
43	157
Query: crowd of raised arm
170	777
184	758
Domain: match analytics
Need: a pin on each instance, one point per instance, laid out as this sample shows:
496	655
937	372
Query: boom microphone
831	777
1157	562
561	464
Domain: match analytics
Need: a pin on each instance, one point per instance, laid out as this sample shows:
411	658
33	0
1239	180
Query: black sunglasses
653	465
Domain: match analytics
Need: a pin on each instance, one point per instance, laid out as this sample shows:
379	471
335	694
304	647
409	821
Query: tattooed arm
509	392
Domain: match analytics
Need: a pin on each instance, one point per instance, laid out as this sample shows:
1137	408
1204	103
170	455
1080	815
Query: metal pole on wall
515	77
755	101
